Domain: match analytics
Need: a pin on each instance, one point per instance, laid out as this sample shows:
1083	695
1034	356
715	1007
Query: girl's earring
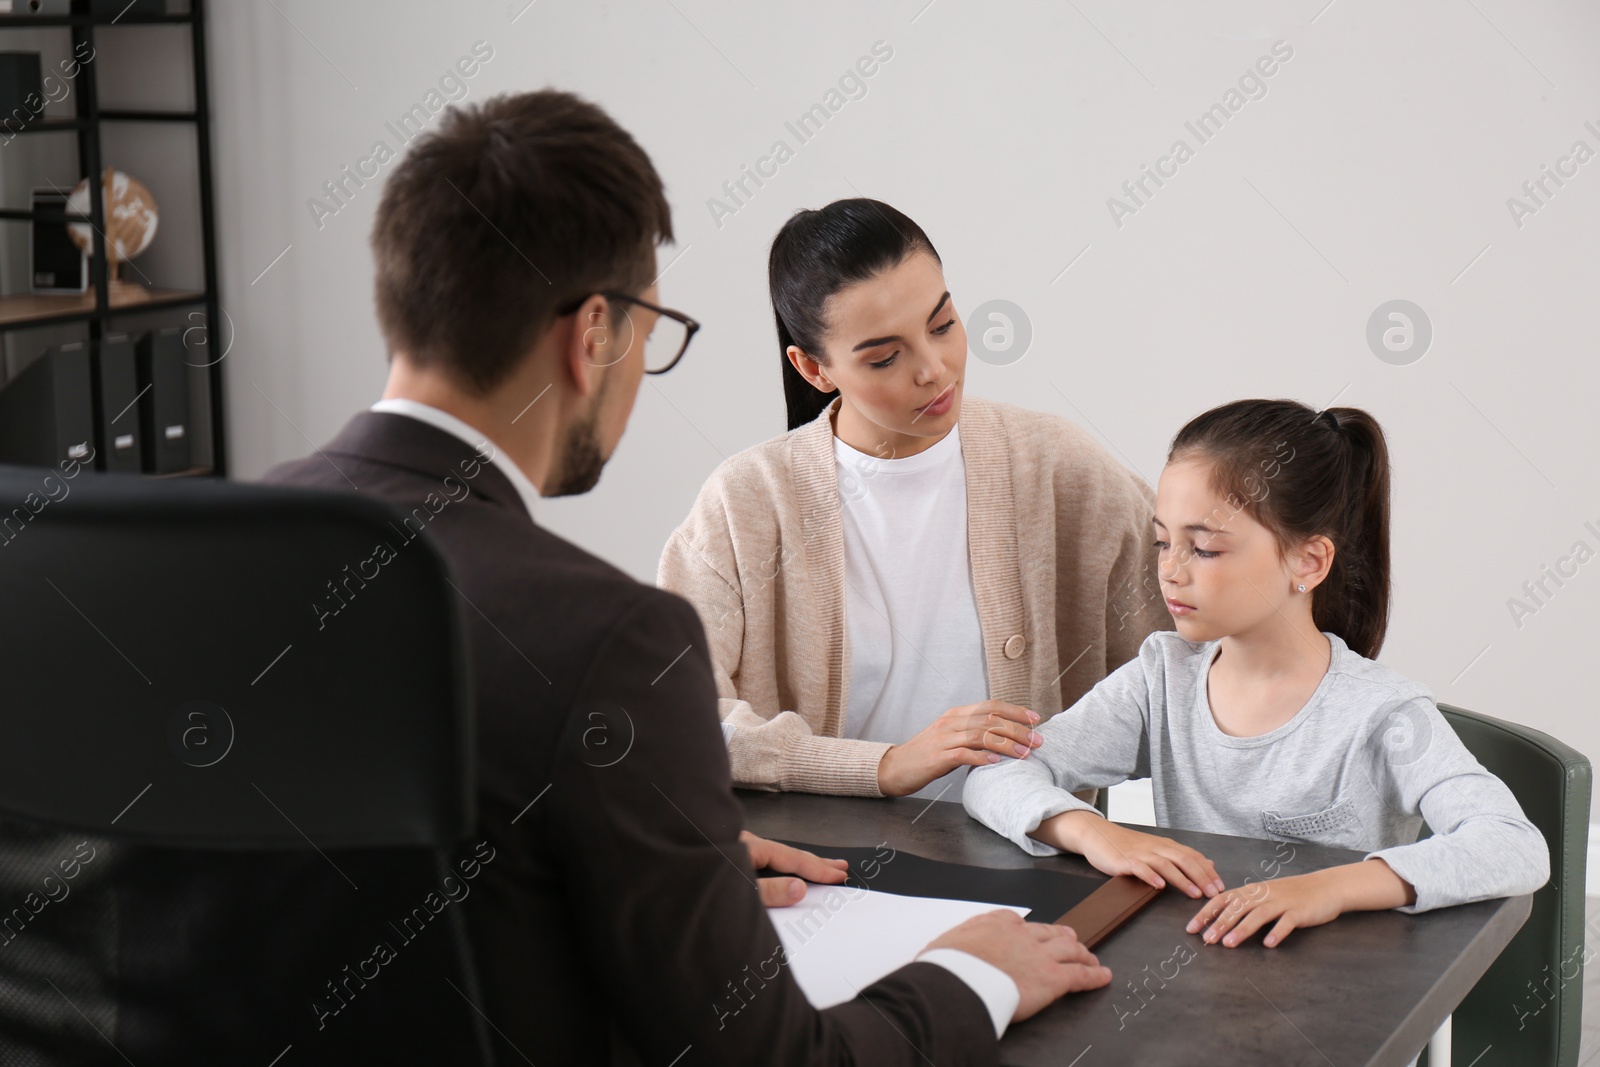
1302	589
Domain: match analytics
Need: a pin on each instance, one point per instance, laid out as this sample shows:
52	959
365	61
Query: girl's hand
971	735
1302	900
1296	901
1116	849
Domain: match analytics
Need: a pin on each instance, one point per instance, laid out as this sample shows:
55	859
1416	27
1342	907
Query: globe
130	218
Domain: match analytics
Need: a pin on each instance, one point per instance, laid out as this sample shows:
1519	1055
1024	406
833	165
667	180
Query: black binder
21	91
118	441
47	410
164	410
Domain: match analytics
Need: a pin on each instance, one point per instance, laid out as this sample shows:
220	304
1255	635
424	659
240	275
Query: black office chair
235	788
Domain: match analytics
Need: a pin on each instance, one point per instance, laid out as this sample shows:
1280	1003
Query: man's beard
580	461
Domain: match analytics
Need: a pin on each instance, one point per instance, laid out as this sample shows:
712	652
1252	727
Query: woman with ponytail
908	581
1264	714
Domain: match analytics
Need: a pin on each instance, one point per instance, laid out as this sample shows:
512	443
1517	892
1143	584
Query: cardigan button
1015	646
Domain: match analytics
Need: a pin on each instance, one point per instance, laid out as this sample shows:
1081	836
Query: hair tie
1328	418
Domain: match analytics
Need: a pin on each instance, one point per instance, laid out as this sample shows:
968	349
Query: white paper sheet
839	940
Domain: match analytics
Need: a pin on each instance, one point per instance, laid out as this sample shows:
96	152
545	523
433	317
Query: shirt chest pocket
1338	826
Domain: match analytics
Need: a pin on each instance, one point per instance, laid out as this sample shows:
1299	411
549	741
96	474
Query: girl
906	548
1264	715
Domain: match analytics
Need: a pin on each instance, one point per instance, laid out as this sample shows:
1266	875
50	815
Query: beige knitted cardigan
1059	537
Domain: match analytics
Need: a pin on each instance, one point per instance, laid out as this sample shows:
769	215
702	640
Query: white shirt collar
447	422
945	450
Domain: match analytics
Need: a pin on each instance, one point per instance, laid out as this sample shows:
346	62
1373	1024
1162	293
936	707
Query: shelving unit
100	308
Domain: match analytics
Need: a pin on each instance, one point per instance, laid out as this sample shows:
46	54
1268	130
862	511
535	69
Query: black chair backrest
235	781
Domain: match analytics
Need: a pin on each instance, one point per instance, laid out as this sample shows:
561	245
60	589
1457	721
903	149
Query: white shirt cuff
727	733
994	986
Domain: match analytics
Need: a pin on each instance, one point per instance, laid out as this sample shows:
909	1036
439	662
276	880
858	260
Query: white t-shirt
916	645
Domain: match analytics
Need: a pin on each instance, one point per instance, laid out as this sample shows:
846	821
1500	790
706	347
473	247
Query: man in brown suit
515	250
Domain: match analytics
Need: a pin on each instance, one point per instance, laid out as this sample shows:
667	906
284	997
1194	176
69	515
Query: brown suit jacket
619	922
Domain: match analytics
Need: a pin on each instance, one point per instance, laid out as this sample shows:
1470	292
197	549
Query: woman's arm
777	753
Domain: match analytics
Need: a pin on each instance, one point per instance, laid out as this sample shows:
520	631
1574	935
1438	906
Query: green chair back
1526	1010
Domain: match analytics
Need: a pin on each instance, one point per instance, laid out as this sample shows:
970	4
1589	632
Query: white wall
1377	166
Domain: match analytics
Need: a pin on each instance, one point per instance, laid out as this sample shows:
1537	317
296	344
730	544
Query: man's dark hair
511	208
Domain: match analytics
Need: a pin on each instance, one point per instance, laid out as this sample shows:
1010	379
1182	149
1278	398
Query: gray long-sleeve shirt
1361	766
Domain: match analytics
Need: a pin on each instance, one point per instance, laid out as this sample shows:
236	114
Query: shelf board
8	131
127	115
110	115
52	215
40	309
46	126
17	22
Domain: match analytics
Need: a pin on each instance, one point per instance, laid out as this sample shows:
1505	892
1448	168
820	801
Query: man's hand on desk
1046	961
1114	849
781	892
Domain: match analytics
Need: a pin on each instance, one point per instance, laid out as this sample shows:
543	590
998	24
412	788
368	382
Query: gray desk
1369	989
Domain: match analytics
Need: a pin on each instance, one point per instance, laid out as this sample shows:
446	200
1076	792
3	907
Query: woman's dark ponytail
1302	474
816	254
804	400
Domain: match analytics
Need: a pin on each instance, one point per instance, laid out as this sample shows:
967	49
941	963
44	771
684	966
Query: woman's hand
781	892
1115	849
971	735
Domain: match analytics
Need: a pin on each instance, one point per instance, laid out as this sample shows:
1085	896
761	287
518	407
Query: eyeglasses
667	341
